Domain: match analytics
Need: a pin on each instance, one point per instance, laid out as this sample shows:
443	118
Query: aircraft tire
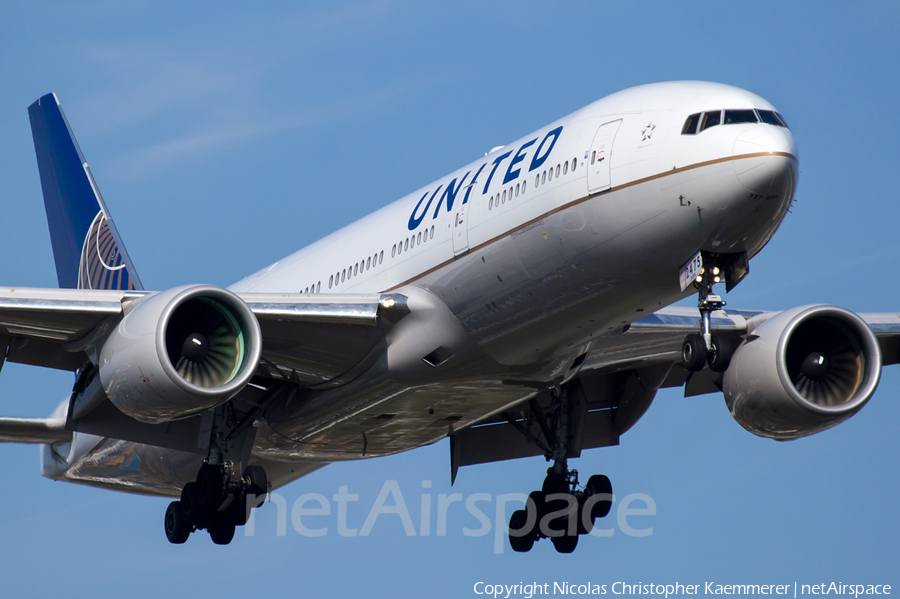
221	531
719	361
258	483
565	543
520	543
693	353
177	528
597	484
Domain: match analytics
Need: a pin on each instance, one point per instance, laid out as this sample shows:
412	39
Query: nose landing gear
707	348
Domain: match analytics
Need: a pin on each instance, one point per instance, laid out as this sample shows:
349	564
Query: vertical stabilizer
87	248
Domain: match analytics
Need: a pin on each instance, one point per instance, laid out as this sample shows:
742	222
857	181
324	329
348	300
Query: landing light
388	303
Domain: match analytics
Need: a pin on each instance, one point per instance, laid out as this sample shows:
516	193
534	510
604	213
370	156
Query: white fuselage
530	255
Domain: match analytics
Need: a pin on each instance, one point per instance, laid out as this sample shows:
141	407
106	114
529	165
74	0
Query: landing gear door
599	156
459	230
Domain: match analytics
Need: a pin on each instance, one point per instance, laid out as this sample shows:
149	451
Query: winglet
87	248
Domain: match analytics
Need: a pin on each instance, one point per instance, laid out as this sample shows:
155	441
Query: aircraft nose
764	153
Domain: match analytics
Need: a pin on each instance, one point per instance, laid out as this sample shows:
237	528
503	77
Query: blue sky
224	138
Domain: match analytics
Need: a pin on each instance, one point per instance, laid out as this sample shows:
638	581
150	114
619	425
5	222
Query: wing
308	339
618	380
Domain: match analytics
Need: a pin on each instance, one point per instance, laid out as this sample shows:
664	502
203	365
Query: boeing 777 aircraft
518	305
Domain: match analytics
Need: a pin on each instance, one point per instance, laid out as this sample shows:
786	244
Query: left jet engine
180	351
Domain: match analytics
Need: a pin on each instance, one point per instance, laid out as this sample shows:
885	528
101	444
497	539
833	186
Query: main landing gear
560	511
222	496
217	501
707	348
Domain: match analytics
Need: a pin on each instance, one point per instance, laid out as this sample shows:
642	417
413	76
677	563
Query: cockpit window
734	117
769	118
705	120
690	125
710	119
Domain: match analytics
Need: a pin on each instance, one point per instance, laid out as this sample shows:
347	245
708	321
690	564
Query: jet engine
180	351
802	371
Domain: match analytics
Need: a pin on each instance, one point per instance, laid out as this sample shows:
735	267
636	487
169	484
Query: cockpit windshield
700	121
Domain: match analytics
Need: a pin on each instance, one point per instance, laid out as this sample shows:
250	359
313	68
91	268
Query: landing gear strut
710	348
221	497
560	511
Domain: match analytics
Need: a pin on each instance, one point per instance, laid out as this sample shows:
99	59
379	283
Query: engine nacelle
179	352
802	371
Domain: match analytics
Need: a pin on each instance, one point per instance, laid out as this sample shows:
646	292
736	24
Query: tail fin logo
101	265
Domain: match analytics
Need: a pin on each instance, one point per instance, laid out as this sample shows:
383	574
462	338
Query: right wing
308	339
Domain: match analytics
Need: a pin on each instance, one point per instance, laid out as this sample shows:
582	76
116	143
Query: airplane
522	306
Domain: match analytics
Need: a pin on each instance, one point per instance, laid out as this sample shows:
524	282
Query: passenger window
690	125
574	164
593	155
710	119
565	167
394	250
550	175
517	190
557	170
330	281
318	286
432	231
343	275
491	203
504	197
524	183
735	117
544	177
406	245
419	237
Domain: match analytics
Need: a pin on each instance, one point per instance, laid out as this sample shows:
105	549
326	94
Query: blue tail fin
87	248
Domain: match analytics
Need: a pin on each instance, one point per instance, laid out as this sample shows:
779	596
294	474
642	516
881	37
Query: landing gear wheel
524	541
190	505
721	357
555	484
221	531
585	521
596	485
693	353
257	484
237	512
565	543
177	528
210	486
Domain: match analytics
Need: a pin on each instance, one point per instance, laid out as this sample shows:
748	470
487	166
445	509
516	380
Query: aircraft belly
145	469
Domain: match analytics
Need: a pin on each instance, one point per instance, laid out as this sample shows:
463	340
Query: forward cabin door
599	156
459	230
